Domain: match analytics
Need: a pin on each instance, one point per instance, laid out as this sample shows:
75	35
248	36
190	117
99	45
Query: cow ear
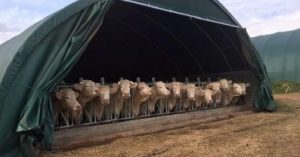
209	86
114	88
78	86
59	95
230	82
119	83
133	84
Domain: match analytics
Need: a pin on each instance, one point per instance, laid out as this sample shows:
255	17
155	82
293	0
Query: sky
259	16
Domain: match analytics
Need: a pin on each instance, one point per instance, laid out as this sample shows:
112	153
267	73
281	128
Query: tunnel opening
138	41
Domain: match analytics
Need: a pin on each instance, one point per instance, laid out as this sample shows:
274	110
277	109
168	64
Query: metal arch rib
214	43
173	36
179	13
237	50
221	6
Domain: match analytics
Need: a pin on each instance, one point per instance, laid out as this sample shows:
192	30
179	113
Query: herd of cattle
87	100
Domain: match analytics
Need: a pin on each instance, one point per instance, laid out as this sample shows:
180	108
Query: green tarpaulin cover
32	63
281	54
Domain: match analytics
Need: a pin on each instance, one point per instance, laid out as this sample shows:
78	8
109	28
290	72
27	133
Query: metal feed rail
65	121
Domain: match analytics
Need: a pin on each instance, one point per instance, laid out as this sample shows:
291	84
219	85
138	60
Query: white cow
87	91
189	95
219	87
159	91
123	92
65	101
141	94
236	90
204	97
101	100
175	94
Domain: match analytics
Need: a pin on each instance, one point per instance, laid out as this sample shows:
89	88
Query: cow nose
126	95
105	101
77	107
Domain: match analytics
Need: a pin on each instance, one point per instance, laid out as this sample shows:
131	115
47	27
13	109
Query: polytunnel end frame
158	43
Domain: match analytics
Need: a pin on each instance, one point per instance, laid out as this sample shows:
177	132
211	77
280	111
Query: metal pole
198	81
102	80
186	80
153	80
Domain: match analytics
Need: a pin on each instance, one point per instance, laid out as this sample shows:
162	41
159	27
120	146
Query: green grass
280	87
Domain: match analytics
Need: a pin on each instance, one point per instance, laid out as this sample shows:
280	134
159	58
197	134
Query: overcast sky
258	16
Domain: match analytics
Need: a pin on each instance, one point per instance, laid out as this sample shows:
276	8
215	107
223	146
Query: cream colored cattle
101	100
243	92
123	92
216	87
87	91
188	97
204	97
236	90
159	91
225	84
65	101
140	94
219	87
175	94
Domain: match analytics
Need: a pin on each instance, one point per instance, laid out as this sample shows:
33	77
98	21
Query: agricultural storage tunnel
281	54
113	39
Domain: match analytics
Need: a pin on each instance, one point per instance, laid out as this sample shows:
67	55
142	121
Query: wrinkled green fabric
281	54
35	69
264	97
32	63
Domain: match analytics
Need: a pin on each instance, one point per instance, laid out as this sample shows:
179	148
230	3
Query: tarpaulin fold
32	63
41	62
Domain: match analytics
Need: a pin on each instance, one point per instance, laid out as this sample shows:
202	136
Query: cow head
68	98
225	84
175	88
237	89
144	89
244	87
215	86
125	86
190	90
104	92
161	89
87	88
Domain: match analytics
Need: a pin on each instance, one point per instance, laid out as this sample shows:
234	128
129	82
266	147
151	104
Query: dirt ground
253	134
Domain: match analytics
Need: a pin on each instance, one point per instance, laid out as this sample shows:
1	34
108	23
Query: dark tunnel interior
137	41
